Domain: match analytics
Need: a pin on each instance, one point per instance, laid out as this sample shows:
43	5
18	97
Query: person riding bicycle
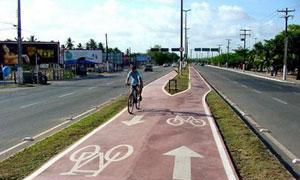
136	81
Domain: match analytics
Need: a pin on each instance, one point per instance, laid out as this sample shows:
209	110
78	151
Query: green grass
25	162
182	82
251	157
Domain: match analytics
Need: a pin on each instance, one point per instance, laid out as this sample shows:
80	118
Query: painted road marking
244	86
257	91
182	163
279	100
66	94
91	88
180	120
109	83
135	120
84	156
29	105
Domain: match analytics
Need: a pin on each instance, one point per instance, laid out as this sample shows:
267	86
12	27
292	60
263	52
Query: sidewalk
278	78
171	137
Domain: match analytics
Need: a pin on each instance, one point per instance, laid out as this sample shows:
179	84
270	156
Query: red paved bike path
144	150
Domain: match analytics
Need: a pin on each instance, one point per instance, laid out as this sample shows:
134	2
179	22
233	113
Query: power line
244	34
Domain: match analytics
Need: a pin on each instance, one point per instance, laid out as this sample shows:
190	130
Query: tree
69	43
79	46
92	44
100	46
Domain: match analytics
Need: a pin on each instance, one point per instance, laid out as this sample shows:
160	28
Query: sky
141	24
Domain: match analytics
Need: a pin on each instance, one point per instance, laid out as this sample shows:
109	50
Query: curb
260	132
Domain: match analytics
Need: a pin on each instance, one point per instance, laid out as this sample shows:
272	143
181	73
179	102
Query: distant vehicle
166	65
174	65
148	67
202	64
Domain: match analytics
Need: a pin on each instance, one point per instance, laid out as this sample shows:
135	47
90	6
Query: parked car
174	65
148	67
166	65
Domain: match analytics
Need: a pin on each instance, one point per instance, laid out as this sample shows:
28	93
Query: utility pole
106	55
186	37
181	35
19	68
220	50
286	16
244	35
228	47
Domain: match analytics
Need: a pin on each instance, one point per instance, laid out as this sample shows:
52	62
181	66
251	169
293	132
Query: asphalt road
274	105
28	112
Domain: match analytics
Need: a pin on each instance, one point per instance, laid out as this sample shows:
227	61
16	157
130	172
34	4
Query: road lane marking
64	95
109	83
257	91
279	100
244	86
91	153
180	120
135	120
182	163
29	105
92	88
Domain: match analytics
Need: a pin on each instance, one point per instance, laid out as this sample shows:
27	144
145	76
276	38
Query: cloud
138	24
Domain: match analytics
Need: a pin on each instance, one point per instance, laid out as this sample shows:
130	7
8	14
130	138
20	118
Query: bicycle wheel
138	103
130	103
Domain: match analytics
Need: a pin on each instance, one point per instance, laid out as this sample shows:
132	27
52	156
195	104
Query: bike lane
171	137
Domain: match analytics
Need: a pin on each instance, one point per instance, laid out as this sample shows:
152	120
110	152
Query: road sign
182	165
179	120
197	49
164	49
205	49
154	49
175	49
214	49
181	49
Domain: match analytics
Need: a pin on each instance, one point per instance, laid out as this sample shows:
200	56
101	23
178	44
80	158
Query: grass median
251	158
182	82
25	162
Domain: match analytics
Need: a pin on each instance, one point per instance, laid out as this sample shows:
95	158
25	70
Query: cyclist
136	81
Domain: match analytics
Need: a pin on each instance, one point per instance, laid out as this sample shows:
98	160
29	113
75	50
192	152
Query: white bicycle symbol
84	156
178	121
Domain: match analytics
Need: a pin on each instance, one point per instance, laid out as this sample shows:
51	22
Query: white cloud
152	22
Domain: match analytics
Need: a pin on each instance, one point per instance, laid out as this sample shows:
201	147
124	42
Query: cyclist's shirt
135	77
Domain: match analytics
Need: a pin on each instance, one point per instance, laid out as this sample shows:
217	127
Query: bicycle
133	99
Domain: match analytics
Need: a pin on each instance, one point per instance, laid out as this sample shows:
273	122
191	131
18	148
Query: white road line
109	83
92	88
66	94
244	86
257	91
29	105
279	100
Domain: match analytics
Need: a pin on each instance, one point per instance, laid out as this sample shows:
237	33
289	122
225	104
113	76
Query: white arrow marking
182	165
134	121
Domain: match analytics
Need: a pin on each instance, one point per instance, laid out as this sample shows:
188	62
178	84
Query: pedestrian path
171	137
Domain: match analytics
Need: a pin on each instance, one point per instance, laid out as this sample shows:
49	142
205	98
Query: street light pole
185	33
20	71
181	35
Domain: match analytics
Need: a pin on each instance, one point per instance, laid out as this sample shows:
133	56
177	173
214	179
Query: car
174	65
166	65
148	67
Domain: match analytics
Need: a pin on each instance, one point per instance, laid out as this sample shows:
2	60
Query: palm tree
69	43
93	44
79	46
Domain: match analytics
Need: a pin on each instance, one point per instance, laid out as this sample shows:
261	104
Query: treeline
90	45
162	57
267	55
